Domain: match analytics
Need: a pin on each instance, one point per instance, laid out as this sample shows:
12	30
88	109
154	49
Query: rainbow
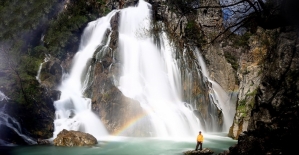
130	123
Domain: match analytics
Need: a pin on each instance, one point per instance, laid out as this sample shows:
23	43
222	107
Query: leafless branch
238	25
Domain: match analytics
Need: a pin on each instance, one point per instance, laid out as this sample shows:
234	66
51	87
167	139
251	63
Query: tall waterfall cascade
150	74
73	110
218	96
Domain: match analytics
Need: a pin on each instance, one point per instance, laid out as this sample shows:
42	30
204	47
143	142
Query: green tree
19	71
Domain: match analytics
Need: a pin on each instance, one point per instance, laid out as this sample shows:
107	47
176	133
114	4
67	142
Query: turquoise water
128	146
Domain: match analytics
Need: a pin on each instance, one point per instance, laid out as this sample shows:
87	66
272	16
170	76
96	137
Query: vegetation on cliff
21	33
31	30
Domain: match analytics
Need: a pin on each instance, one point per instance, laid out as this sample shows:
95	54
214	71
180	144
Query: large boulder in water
74	138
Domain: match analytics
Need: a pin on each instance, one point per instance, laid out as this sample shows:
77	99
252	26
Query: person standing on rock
199	141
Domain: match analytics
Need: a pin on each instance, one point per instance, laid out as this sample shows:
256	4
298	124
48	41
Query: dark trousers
198	143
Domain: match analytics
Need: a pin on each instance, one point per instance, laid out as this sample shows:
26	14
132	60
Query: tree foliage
20	17
64	32
29	30
20	71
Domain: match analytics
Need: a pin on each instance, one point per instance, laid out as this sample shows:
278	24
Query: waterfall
40	68
151	75
218	96
73	110
11	123
3	96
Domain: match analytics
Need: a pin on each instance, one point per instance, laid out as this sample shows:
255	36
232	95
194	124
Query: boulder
199	152
74	138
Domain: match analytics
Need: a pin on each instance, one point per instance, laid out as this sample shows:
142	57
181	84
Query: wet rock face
8	135
66	64
274	122
35	120
114	109
219	69
209	21
51	74
195	92
74	138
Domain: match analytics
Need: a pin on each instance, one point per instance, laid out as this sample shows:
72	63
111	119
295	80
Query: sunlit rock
74	138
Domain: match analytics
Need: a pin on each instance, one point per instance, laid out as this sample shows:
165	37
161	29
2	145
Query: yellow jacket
200	138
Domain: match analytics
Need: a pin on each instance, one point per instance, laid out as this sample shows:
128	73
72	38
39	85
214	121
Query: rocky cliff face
274	120
249	75
220	70
195	30
29	118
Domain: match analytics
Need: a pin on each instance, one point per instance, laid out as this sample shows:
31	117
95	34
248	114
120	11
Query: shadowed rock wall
274	122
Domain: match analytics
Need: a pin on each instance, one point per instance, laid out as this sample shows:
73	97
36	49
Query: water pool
218	142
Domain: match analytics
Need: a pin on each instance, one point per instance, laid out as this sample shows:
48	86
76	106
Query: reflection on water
128	146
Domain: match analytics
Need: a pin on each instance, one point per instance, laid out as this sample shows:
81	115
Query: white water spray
218	96
73	111
151	75
12	124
